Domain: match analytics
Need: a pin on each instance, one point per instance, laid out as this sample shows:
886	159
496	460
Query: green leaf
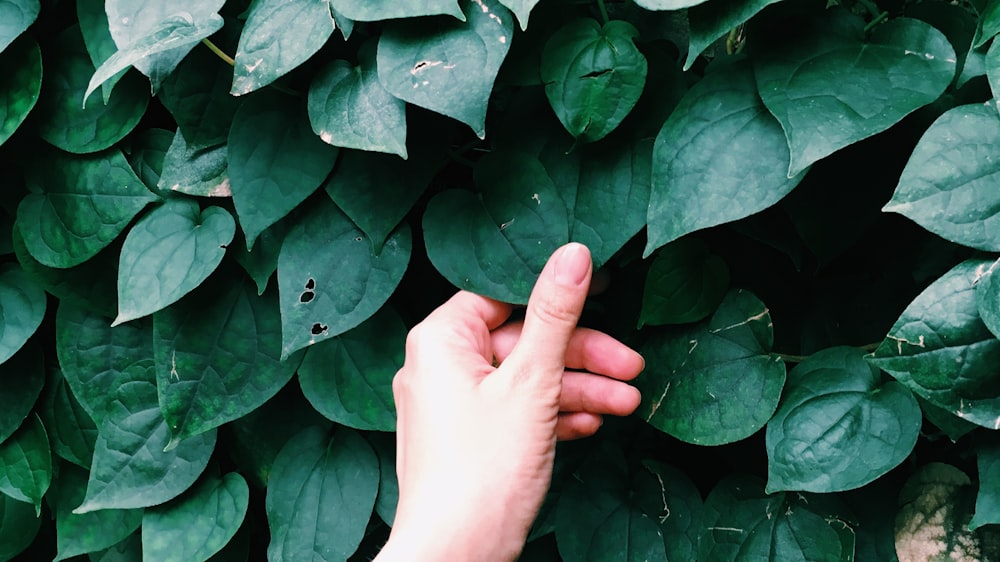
135	23
131	468
262	262
521	10
989	24
941	350
21	65
320	496
711	20
91	128
128	549
671	5
278	36
217	357
97	38
388	483
196	171
904	64
838	427
715	382
496	242
988	497
935	506
197	96
169	252
89	532
374	10
719	157
446	66
348	378
950	424
21	382
943	190
348	107
79	205
329	281
685	283
177	31
18	527
988	298
72	432
15	17
275	161
197	524
23	306
742	522
26	463
593	75
146	154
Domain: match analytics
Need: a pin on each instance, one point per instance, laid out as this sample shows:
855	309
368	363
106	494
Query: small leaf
348	107
521	9
21	66
26	464
716	382
217	356
23	307
97	38
278	36
711	20
72	432
275	161
348	378
446	66
905	64
199	523
942	351
15	17
719	157
169	252
309	472
21	382
838	428
131	468
89	532
945	192
593	76
685	283
196	171
329	281
78	206
374	10
495	243
18	527
988	496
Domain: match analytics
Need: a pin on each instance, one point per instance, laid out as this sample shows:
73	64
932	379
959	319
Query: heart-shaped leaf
838	427
373	10
904	65
88	532
26	463
21	64
447	66
23	306
716	382
593	75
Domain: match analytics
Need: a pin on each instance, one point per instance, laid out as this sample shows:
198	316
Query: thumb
554	309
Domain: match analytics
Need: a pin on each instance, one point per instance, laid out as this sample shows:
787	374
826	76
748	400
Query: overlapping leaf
719	157
711	20
987	498
196	171
197	96
372	10
26	464
716	382
97	38
23	306
149	149
72	432
21	381
685	283
169	252
15	17
945	191
446	66
18	527
88	532
21	64
904	65
278	36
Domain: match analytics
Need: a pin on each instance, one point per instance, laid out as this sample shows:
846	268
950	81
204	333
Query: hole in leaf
318	328
310	284
306	296
359	239
597	73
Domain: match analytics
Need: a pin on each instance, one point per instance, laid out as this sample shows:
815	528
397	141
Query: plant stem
789	358
604	11
875	21
211	46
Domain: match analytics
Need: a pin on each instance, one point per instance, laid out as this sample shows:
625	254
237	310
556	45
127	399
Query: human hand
480	405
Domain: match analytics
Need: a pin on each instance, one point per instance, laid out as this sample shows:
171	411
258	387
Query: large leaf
217	357
63	121
21	65
348	107
21	381
495	242
446	66
711	20
78	205
685	283
131	469
719	157
716	382
838	427
373	10
593	75
133	22
903	65
87	532
18	527
329	280
197	524
278	36
348	378
945	191
742	522
26	463
941	350
23	306
15	17
275	161
320	496
169	252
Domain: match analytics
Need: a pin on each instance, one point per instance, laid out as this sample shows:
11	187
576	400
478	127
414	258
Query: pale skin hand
476	442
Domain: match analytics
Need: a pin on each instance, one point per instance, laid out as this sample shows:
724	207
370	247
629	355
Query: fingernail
572	263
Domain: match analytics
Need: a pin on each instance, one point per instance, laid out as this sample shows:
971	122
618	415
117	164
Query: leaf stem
604	11
875	21
789	358
212	47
